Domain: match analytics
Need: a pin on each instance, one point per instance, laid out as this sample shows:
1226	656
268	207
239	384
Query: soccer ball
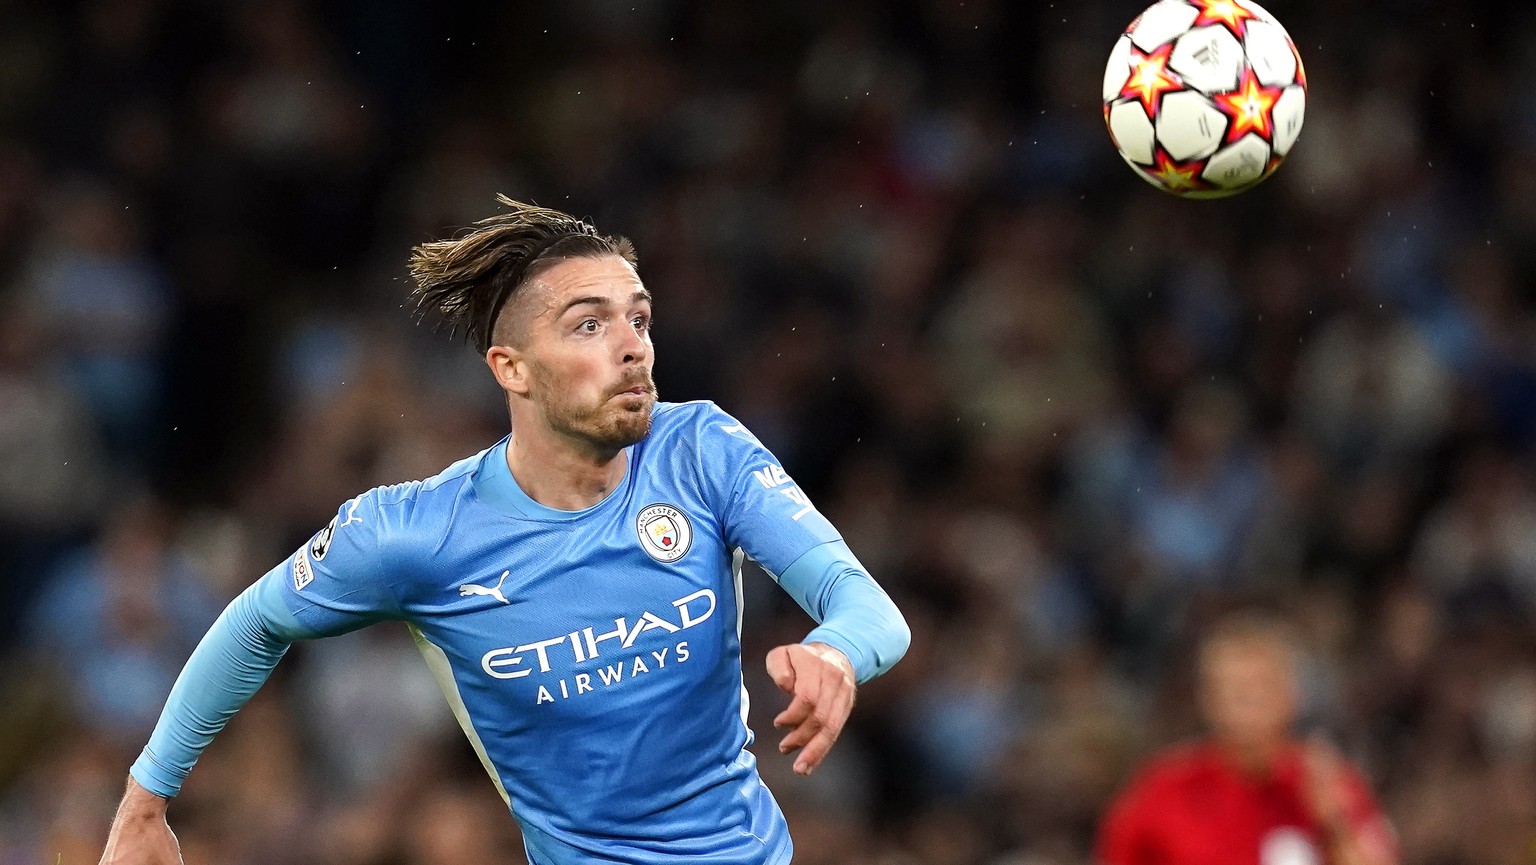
1204	98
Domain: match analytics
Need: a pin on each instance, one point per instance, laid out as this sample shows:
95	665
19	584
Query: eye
641	322
588	325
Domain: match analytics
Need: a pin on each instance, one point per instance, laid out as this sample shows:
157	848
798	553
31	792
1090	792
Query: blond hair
468	280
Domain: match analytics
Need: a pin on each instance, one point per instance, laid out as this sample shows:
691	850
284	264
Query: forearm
856	616
231	663
1346	846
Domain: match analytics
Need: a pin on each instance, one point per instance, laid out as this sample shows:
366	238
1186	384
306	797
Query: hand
1324	786
821	680
140	835
1327	787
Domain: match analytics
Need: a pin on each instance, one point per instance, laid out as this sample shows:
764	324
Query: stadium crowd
1065	419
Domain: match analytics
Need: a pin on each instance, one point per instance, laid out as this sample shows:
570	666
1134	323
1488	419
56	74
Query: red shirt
1192	806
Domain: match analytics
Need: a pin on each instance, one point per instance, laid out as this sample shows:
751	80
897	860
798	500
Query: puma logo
493	591
352	516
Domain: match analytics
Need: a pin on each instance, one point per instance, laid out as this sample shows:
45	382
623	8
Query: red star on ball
1150	78
1230	13
1177	177
1249	106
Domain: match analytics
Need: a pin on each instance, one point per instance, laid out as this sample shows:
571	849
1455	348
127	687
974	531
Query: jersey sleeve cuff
863	667
156	777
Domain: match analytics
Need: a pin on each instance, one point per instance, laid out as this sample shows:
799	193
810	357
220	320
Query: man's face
588	350
1248	692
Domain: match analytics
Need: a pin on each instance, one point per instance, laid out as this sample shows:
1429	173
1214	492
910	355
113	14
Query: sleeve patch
303	573
774	478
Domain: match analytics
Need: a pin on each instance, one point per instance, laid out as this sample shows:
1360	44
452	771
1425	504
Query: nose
633	346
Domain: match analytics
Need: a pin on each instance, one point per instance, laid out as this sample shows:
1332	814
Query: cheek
1237	701
581	379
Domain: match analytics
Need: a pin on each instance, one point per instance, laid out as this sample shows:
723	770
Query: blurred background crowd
1064	418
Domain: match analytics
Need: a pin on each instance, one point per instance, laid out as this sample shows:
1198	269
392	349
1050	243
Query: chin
636	425
629	426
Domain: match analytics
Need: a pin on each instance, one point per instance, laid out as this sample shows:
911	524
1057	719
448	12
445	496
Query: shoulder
701	441
415	499
701	421
414	513
1174	766
1144	798
699	426
671	419
446	484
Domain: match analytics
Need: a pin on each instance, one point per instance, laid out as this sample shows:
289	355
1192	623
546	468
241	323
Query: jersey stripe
442	671
737	557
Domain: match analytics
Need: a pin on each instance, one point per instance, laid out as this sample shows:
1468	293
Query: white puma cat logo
493	591
352	516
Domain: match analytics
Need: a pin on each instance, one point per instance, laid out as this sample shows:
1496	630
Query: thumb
781	669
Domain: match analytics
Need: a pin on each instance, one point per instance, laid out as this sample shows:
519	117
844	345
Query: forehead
1246	656
608	276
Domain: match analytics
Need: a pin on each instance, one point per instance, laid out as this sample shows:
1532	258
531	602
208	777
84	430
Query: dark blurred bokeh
1064	418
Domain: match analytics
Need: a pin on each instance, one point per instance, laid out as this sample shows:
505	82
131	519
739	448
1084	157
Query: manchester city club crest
665	532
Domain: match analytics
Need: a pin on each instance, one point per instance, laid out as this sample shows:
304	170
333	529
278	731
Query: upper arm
760	507
341	580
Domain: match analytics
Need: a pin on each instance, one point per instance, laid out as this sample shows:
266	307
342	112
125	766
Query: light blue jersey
592	657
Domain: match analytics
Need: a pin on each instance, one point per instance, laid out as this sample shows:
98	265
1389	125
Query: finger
781	669
815	751
801	712
806	691
799	709
803	684
802	733
821	744
828	706
798	737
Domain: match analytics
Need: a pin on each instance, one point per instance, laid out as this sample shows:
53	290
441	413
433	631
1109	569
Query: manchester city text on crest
665	532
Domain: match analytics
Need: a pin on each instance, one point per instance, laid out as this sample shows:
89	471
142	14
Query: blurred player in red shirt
1251	793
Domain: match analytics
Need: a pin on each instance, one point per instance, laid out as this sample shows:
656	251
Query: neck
1253	757
562	474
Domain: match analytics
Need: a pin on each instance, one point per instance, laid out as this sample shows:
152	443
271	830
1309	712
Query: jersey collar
496	487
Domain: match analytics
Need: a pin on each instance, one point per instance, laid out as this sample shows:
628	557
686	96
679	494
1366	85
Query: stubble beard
606	426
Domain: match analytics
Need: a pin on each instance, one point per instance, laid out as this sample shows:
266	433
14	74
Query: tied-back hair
468	279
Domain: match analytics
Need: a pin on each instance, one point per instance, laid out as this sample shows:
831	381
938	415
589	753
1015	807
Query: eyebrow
599	300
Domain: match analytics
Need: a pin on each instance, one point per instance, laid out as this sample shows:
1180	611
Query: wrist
835	655
139	802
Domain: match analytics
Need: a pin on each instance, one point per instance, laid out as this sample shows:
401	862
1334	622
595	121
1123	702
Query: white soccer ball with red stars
1204	98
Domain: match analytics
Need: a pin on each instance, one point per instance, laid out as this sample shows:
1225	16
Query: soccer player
1251	794
575	588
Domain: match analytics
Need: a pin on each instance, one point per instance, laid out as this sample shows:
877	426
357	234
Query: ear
510	367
